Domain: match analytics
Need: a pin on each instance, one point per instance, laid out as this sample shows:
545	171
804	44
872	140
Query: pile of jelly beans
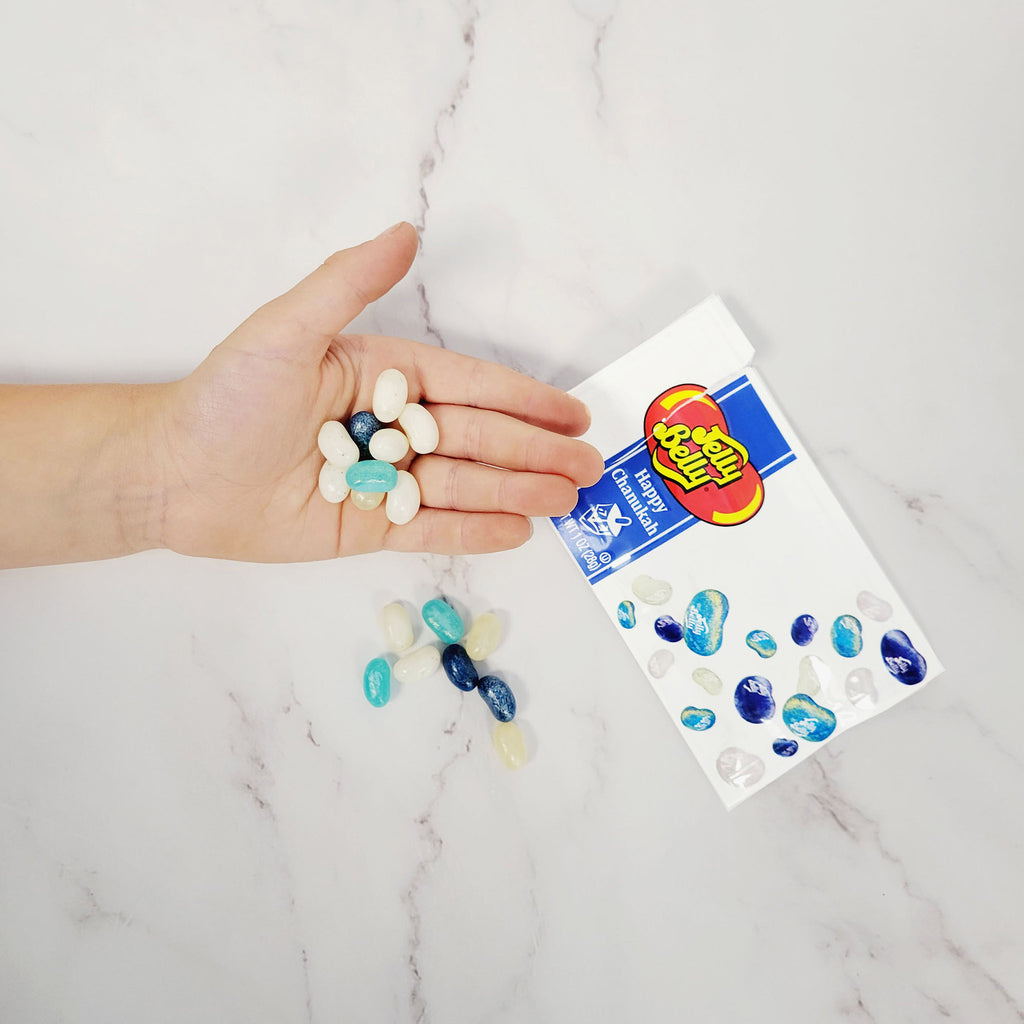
361	459
458	659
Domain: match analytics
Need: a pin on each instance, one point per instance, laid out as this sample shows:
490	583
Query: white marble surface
200	817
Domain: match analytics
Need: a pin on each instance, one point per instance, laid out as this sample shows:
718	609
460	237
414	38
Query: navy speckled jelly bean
361	428
785	748
459	667
902	659
753	699
668	629
498	697
802	631
627	614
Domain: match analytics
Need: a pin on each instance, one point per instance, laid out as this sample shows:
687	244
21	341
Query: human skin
224	463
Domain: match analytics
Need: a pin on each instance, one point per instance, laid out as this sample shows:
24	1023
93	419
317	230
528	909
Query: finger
470	487
301	323
499	440
441	532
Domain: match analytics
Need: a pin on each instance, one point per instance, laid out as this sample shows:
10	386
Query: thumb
301	323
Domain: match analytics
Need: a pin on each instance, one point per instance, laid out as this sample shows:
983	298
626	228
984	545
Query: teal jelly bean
705	617
627	614
377	682
444	620
762	642
372	476
698	719
846	636
807	719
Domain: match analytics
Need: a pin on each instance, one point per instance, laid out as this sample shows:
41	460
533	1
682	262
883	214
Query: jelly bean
420	427
627	614
697	719
668	629
753	699
860	688
420	664
846	636
444	620
459	667
873	606
397	627
739	768
705	618
652	591
484	636
785	748
389	445
660	662
372	476
803	629
707	679
902	659
403	499
336	446
807	719
361	428
390	394
498	697
510	745
332	483
366	500
813	675
761	643
377	682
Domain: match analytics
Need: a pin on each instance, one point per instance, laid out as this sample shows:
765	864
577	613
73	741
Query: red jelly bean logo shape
705	468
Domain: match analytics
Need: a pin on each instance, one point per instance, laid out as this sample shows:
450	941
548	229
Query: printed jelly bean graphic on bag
706	470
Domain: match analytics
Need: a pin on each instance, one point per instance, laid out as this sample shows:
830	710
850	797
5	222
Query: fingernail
391	230
530	521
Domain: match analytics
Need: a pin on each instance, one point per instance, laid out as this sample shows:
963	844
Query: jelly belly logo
705	469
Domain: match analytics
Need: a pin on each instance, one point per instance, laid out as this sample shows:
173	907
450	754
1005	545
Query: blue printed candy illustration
704	622
902	659
753	699
698	719
846	636
807	719
803	629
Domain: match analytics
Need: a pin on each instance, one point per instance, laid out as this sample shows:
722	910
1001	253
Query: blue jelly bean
444	620
785	748
803	629
498	697
698	719
361	428
372	476
627	614
761	643
753	699
846	636
705	617
377	682
459	667
668	629
808	720
902	659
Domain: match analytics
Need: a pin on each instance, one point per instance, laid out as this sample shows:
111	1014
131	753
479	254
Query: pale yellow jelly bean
510	745
367	500
421	664
397	627
420	427
483	636
332	483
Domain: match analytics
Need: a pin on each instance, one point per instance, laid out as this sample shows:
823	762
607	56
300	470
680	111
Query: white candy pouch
727	566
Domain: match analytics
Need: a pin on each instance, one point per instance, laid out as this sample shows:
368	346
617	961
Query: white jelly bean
390	394
652	591
332	483
389	445
660	663
420	427
813	675
403	499
397	627
707	679
860	688
367	500
421	664
483	637
509	743
336	445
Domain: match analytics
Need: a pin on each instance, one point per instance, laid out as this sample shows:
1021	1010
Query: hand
240	461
